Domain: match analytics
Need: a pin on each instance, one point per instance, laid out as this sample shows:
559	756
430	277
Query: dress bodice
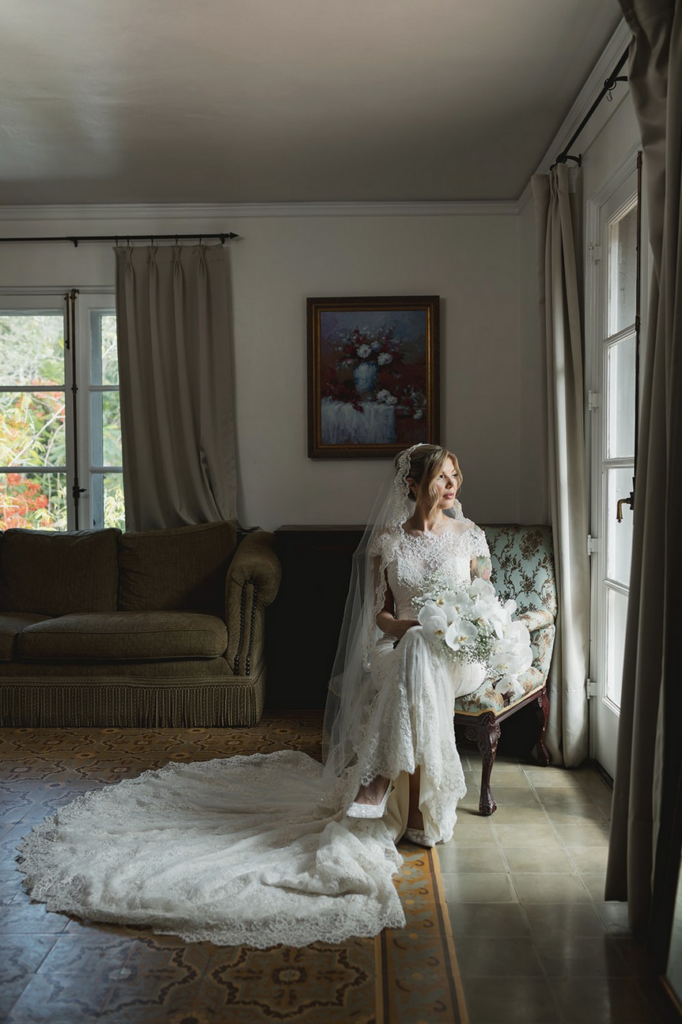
415	563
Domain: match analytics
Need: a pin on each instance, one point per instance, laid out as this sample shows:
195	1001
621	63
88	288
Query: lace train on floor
234	850
258	850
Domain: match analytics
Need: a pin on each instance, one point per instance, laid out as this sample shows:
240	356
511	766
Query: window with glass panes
60	434
618	435
616	295
105	471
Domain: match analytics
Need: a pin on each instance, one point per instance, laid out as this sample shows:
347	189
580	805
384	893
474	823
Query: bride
274	848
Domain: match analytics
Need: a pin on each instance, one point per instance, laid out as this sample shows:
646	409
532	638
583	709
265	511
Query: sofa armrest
252	583
536	618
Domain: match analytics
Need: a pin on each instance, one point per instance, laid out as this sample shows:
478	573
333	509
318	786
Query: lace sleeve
376	544
481	566
479	544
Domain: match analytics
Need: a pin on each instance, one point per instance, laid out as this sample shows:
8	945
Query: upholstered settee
523	569
158	628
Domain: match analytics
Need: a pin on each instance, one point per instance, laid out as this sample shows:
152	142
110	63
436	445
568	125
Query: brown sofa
161	628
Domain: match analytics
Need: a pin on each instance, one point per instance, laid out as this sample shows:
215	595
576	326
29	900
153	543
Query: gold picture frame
372	375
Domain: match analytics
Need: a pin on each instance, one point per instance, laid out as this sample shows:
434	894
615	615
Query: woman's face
445	484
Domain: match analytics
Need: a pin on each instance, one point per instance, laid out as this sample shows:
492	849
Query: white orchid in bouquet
471	624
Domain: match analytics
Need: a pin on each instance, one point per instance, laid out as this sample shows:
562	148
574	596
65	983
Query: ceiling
261	101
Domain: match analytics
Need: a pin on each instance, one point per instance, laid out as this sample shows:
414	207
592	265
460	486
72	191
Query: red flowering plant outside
32	422
23	503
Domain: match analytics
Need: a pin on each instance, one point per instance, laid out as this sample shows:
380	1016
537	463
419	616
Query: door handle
630	501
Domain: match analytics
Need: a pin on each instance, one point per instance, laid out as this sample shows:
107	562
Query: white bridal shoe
357	810
416	835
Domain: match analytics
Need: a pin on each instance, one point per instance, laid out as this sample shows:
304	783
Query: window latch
629	501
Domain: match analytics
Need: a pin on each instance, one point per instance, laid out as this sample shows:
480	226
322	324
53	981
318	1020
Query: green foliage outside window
33	422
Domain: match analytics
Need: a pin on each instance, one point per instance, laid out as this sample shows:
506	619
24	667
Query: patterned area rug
61	969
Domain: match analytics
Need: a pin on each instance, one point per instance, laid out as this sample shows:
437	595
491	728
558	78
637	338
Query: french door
618	266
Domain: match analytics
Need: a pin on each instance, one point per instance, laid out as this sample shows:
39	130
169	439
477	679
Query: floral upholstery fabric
489	698
535	619
523	569
542	642
523	565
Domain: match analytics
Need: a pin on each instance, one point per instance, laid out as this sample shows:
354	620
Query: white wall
491	381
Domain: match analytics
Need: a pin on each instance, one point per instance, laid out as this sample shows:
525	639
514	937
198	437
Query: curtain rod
223	236
609	85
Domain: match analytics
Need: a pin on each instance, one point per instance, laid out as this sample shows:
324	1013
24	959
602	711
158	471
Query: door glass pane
33	501
619	535
32	428
617	609
104	353
31	349
106	428
622	274
108	505
620	392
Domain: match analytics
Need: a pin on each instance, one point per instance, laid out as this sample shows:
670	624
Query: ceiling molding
162	213
525	196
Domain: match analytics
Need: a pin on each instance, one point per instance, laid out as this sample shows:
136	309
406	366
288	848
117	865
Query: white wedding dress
258	850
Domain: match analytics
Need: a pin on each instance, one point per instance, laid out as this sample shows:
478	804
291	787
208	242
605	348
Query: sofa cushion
52	573
182	568
124	636
11	625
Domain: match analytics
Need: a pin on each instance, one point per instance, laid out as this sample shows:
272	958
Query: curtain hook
176	239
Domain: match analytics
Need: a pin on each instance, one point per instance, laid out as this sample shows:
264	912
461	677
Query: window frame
602	208
88	300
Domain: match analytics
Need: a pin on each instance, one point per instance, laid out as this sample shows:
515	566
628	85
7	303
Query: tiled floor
536	942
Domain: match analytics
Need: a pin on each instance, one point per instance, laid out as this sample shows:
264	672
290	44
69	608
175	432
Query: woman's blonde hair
426	462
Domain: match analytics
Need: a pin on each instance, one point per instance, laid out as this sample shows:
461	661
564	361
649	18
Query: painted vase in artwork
365	377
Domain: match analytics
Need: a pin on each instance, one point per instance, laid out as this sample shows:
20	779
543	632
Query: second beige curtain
177	403
560	316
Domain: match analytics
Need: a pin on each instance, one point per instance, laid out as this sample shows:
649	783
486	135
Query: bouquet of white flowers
471	624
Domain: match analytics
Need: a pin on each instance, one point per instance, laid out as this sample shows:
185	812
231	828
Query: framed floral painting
372	375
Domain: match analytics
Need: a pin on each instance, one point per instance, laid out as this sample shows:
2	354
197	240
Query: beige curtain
650	734
175	366
560	317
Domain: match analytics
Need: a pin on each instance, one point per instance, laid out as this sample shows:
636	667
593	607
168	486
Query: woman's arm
481	566
386	620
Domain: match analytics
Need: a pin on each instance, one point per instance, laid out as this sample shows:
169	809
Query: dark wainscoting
303	622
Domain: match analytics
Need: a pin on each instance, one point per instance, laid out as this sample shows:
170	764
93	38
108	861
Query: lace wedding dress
258	849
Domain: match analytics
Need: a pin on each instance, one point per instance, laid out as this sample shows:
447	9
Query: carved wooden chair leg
486	733
542	711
